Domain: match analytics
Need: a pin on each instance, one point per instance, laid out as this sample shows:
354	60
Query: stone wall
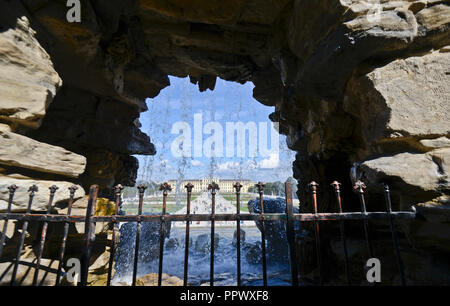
360	88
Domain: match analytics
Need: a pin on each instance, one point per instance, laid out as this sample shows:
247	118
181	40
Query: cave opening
222	135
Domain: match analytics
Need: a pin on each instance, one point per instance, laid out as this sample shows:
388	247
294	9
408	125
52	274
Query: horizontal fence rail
288	217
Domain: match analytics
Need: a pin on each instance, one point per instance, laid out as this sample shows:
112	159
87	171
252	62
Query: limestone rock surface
23	152
28	80
40	201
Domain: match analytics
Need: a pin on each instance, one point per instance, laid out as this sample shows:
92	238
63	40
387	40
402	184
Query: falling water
180	103
225	263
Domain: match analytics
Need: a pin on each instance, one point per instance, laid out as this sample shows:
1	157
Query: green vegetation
157	208
153	197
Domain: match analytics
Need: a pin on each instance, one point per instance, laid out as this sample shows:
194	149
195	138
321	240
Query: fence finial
165	187
359	186
13	188
213	187
73	189
53	189
189	187
313	185
118	188
141	188
336	185
237	186
33	189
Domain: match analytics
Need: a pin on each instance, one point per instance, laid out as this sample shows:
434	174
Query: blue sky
229	102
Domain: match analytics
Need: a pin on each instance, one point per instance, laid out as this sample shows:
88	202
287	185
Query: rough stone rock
213	11
107	168
40	201
417	172
28	82
275	231
152	280
172	244
362	36
148	245
26	270
104	207
234	243
77	119
23	152
441	142
407	96
253	253
203	243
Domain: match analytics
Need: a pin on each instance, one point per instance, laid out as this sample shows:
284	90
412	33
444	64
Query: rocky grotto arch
359	95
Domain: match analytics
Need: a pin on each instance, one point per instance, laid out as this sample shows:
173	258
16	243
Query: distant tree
276	188
131	192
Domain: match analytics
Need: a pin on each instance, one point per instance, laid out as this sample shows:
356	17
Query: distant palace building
202	185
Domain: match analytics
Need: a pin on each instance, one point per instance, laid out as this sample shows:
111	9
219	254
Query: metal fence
288	217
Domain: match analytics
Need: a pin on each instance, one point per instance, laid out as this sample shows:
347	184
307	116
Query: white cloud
269	163
196	163
233	166
227	166
165	164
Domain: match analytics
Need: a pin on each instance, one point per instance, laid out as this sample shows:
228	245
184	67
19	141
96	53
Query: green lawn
155	204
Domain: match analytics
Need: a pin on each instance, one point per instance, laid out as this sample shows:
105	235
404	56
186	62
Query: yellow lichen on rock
104	207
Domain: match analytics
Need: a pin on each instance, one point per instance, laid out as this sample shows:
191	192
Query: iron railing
289	217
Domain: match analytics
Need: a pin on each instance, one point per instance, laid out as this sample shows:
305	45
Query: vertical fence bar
337	192
12	189
32	190
165	188
72	190
89	234
263	232
238	187
213	187
313	186
359	188
387	194
43	235
290	234
117	190
141	189
188	187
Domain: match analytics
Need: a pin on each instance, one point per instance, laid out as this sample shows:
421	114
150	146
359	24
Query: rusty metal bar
89	234
165	188
313	185
238	187
303	217
290	234
387	194
213	187
263	232
188	187
72	190
337	191
43	235
289	217
32	190
12	189
117	190
141	189
359	188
